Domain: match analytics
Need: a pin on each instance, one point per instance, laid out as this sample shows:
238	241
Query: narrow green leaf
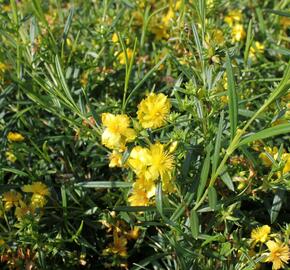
104	184
233	99
158	199
248	42
277	204
15	171
217	148
228	181
278	12
266	133
204	172
68	24
212	197
194	224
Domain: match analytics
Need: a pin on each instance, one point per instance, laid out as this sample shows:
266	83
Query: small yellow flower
122	56
161	163
10	199
139	160
169	16
117	132
15	137
278	255
115	38
37	188
260	234
146	185
238	33
265	159
133	233
10	156
115	159
258	48
118	247
286	158
138	198
233	16
153	111
23	210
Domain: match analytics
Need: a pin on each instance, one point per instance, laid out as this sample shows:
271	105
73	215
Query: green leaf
68	24
277	204
217	148
204	172
104	184
266	133
248	42
15	171
159	200
278	12
228	181
194	224
212	197
233	99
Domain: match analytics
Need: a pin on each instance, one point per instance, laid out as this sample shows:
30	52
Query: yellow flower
138	198
169	16
161	163
258	48
10	156
2	242
139	160
117	132
260	234
146	185
115	38
265	159
15	137
238	33
115	159
3	67
133	233
122	56
233	17
278	255
37	188
153	110
10	199
23	210
118	247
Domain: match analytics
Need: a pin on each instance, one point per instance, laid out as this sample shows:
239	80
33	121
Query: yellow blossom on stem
258	48
122	56
233	17
10	156
115	159
117	132
260	234
15	137
161	163
10	199
139	160
119	246
39	191
115	38
23	210
138	198
153	111
133	233
278	254
238	33
264	157
146	185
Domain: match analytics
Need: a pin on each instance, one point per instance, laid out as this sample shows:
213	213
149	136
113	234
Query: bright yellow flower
169	16
286	158
161	163
160	31
133	233
260	234
3	67
258	48
10	199
138	198
122	56
233	17
15	137
265	159
23	210
153	111
146	185
117	132
115	38
115	159
139	160
278	255
118	247
238	33
37	188
10	156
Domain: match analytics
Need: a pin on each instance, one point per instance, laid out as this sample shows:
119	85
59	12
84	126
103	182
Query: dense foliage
145	134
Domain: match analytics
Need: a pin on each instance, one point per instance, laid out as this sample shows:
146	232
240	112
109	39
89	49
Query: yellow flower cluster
273	152
151	163
278	252
233	19
257	48
38	200
15	137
